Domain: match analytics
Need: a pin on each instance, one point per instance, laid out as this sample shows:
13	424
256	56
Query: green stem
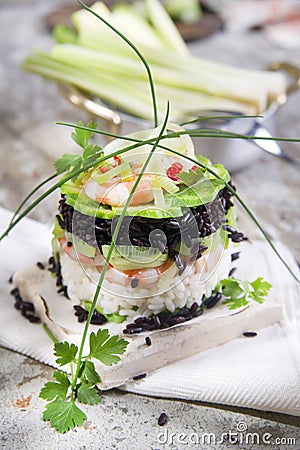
111	248
49	333
202	132
219	117
136	50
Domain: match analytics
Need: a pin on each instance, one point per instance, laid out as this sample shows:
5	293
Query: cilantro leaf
88	395
218	168
235	303
106	348
198	184
66	162
53	390
66	352
192	177
73	163
89	374
64	416
261	289
239	293
90	151
232	288
82	137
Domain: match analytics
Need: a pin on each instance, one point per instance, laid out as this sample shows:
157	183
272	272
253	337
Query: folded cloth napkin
261	372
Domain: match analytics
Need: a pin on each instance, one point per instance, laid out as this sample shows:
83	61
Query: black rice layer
164	234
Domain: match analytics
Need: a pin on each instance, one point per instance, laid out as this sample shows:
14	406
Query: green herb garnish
70	162
66	391
239	293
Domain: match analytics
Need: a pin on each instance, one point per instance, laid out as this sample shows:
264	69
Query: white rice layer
168	292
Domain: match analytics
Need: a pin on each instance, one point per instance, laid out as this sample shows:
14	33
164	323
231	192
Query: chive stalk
137	51
112	246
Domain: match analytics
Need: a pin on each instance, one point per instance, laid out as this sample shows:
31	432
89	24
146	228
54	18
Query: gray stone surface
122	421
30	142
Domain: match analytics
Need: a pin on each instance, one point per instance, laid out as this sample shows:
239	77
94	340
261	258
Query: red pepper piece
174	170
103	169
117	160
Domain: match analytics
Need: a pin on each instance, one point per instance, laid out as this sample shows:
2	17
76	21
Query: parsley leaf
239	293
105	348
235	303
66	352
82	137
261	289
53	390
199	185
90	151
89	374
66	162
64	416
232	288
192	177
72	163
88	395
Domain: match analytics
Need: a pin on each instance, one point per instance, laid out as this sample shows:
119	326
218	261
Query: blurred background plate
208	23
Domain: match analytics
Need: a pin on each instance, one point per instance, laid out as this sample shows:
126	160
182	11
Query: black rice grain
148	341
133	330
40	265
235	256
139	377
249	334
194	307
198	313
211	301
231	272
163	419
134	282
34	319
176	320
98	318
14	292
26	308
229	228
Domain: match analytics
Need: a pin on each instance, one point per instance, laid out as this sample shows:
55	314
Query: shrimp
201	265
116	192
70	250
137	277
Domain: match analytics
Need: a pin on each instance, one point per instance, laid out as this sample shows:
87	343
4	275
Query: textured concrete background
122	421
30	142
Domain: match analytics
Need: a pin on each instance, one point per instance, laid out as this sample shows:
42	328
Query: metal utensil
270	146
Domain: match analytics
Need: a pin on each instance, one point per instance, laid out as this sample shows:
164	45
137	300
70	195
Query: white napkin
261	373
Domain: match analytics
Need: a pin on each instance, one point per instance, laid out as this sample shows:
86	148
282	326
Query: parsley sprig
71	163
66	391
239	293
